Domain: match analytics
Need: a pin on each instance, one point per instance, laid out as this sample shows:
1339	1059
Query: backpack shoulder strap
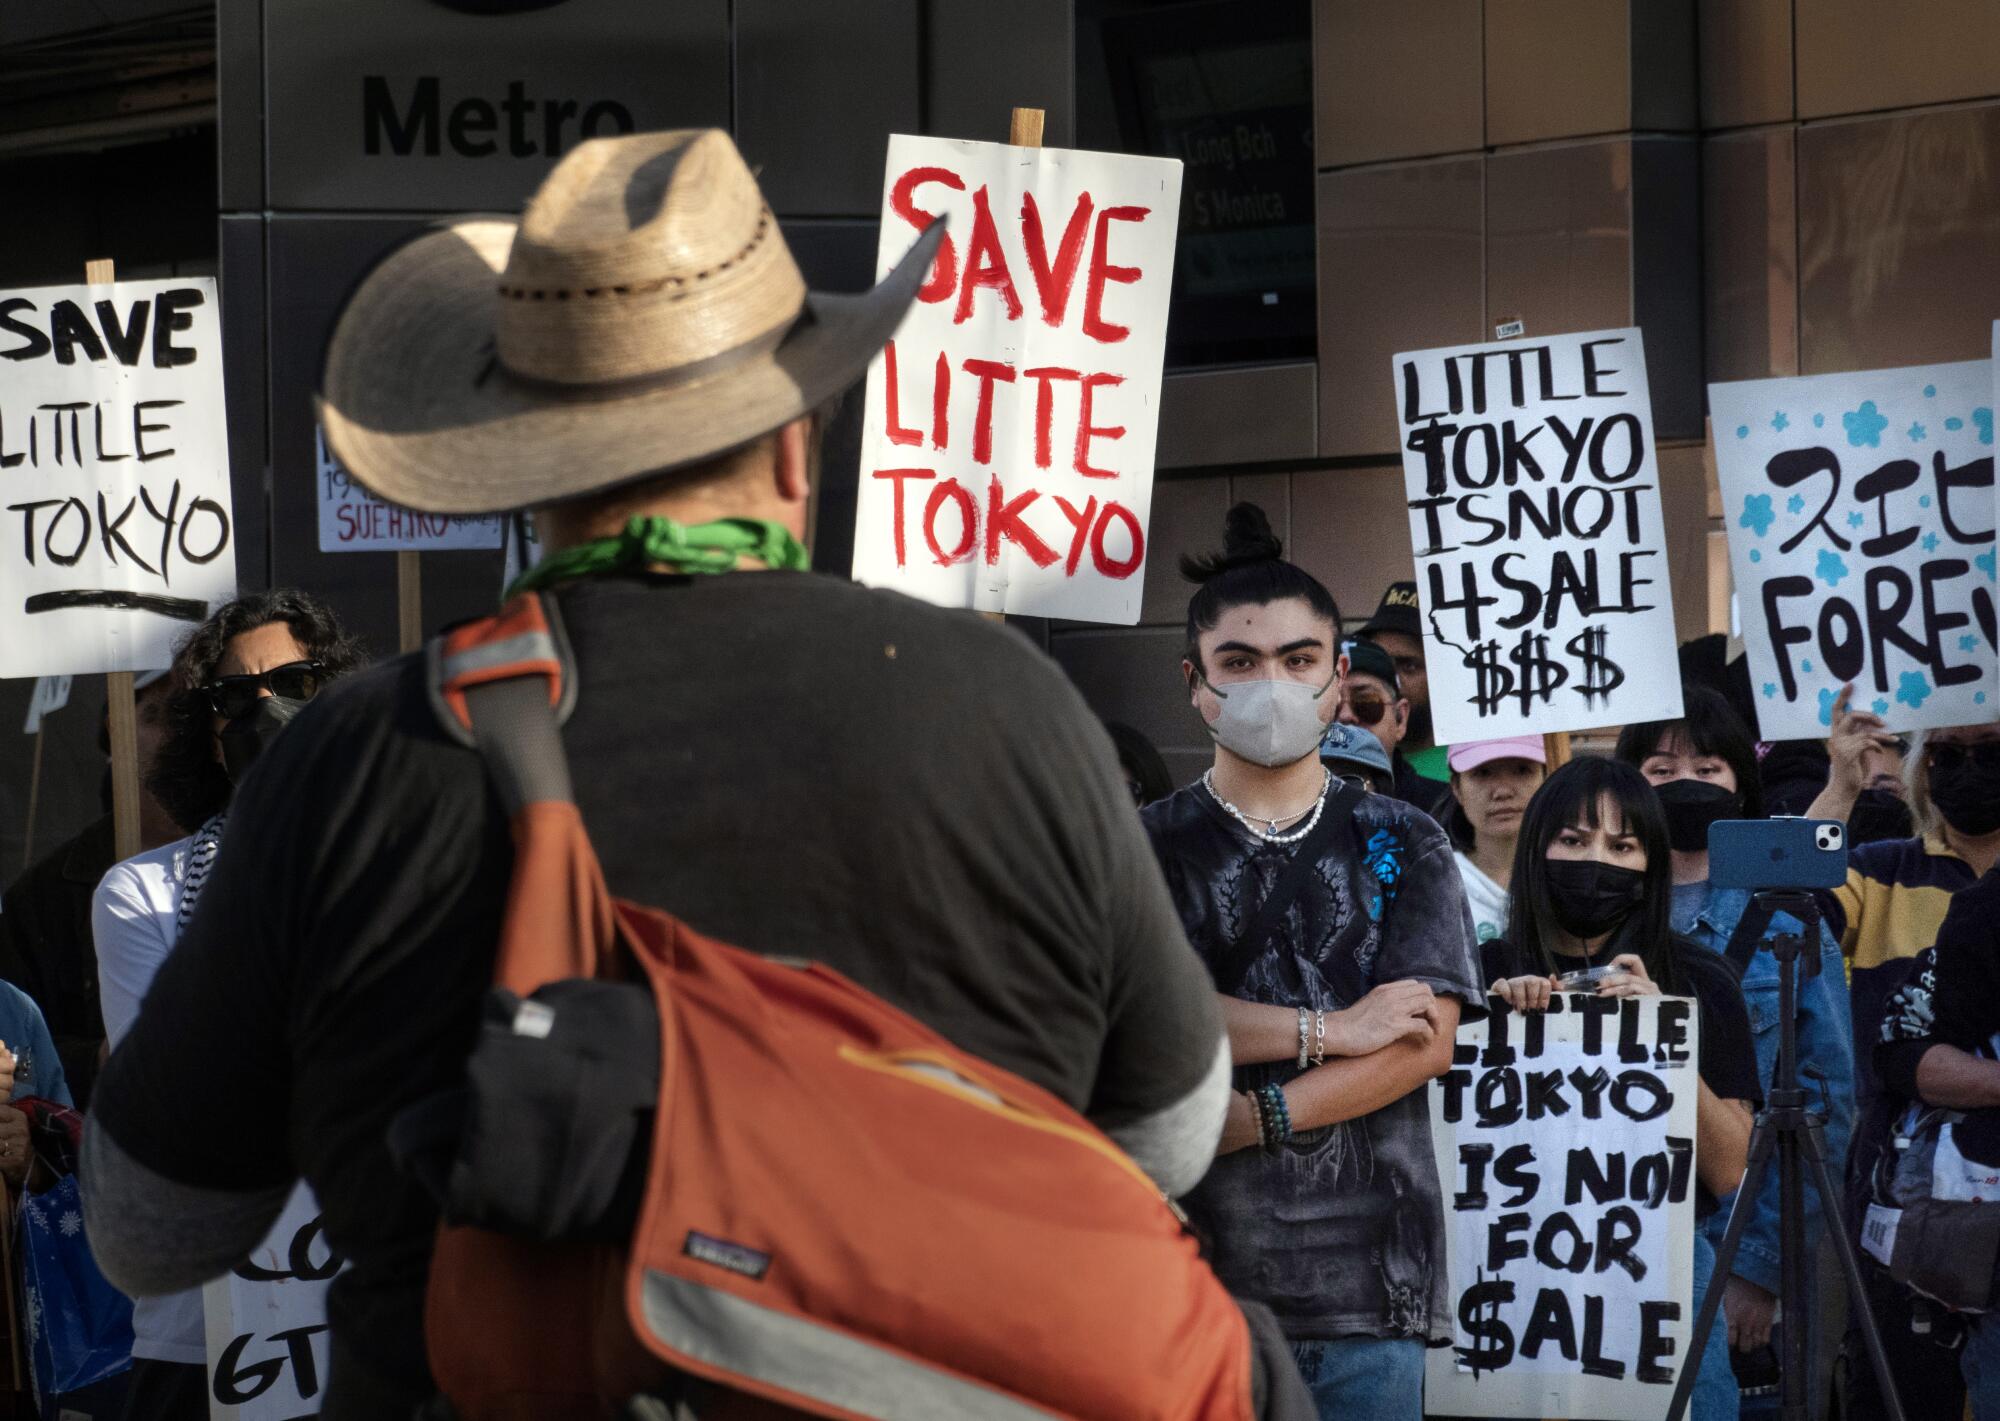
504	685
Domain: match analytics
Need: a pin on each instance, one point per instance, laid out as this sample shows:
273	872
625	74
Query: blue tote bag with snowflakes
79	1326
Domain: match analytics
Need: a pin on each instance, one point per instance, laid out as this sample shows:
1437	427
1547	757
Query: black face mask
1591	898
1878	814
250	734
1693	805
1967	791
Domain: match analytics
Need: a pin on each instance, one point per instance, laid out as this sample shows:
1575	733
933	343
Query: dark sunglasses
231	696
1369	710
1986	755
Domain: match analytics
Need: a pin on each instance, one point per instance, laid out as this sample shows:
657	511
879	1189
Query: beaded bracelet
1305	1037
1277	1116
1257	1116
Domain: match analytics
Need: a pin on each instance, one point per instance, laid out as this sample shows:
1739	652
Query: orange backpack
845	1214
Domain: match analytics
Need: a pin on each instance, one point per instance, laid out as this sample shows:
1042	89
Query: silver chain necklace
1270	834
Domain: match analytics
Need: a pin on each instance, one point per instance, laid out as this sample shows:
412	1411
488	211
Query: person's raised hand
1525	993
1392	1012
1855	733
1632	980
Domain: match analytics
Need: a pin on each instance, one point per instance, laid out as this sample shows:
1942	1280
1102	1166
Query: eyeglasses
1369	710
1986	754
232	696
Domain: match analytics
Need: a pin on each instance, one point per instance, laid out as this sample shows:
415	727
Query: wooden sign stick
1024	130
409	599
118	692
1555	749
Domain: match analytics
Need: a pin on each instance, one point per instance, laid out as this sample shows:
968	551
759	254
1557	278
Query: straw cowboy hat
644	314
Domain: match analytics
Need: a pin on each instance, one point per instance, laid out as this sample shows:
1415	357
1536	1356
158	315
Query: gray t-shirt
1341	1230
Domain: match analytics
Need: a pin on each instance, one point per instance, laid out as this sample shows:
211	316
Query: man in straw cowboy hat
639	361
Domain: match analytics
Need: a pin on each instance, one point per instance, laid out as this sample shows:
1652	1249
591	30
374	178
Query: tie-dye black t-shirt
1340	1230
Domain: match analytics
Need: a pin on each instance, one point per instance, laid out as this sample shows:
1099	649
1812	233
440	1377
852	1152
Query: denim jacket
1826	1046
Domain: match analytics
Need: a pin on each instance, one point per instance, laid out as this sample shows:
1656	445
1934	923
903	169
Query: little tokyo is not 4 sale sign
1007	454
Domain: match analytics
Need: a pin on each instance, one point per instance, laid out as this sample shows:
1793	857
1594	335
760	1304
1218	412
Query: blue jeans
1379	1378
1715	1395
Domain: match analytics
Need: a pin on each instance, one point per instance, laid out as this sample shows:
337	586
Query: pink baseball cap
1474	753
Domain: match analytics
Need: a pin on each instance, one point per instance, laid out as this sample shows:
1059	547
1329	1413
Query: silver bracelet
1305	1038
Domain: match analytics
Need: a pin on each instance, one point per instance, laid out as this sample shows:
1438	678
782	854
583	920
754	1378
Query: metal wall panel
1750	269
384	105
1404	80
1899	220
244	349
1261	414
1746	62
1559	237
1859	55
1401	267
1666	278
818	90
239	68
986	60
1557	69
1351	530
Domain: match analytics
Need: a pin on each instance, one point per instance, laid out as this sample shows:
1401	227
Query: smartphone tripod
1786	1128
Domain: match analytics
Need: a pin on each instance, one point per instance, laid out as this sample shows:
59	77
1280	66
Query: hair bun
1246	539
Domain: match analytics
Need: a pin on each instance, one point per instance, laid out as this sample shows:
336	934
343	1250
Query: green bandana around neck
691	548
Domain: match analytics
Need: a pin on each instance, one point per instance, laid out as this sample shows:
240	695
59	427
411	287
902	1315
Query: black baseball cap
1364	658
1398	612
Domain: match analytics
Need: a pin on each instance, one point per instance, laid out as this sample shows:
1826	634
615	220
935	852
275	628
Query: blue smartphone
1777	853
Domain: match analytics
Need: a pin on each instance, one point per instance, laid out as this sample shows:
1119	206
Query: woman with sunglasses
1703	766
1888	911
238	680
1592	874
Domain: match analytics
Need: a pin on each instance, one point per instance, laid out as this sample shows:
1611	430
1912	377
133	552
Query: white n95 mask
1268	723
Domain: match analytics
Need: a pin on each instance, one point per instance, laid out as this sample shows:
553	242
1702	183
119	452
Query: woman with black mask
1591	888
238	681
1703	767
1889	910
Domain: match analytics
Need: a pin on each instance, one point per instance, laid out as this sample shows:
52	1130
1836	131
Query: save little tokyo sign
1007	455
115	527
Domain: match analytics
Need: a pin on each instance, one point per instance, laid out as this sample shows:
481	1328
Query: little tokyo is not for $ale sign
1007	454
1860	513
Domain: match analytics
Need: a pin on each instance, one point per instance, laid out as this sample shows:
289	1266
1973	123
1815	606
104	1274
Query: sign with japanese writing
1565	1145
353	520
1534	501
1860	512
115	523
266	1322
1007	450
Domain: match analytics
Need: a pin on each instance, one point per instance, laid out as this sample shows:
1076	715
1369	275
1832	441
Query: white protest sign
1565	1146
1007	450
1860	511
115	524
353	520
51	694
266	1322
1534	505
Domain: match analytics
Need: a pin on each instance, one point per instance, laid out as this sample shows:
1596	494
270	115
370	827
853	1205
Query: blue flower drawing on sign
1865	425
1984	562
1779	422
1917	432
1796	503
1854	520
1881	706
1756	555
1770	689
1819	420
1924	502
1806	666
1967	642
1758	515
1914	689
1930	392
1930	542
1826	700
1983	417
1954	423
1832	567
1742	431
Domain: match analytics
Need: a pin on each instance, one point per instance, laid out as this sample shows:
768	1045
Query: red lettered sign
1007	458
